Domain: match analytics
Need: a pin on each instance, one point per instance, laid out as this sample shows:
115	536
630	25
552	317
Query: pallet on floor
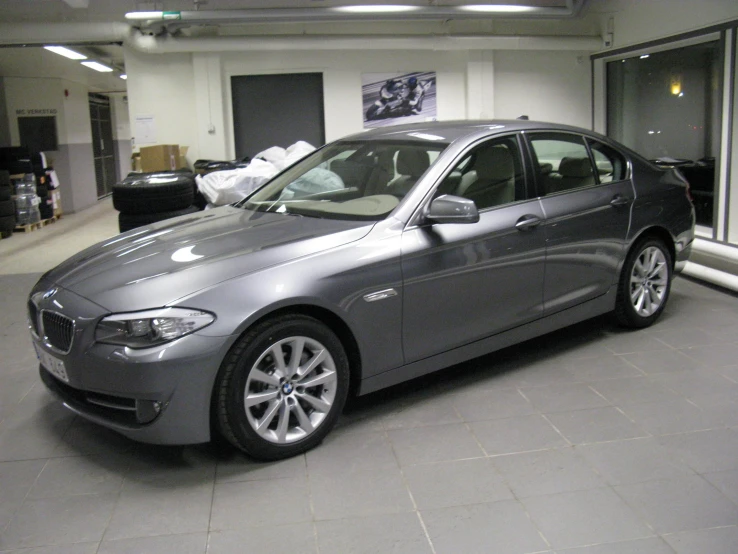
33	226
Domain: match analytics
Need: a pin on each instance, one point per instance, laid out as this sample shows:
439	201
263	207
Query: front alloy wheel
644	284
282	387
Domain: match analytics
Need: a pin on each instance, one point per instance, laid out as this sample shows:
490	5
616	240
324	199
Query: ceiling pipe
333	14
167	45
39	34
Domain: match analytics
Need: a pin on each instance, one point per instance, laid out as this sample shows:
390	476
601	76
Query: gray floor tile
563	398
16	479
437	410
52	521
241	468
596	425
84	437
516	434
722	406
79	475
633	461
359	494
653	545
635	390
481	404
674	416
681	504
259	503
546	472
349	452
434	444
629	342
395	534
298	538
714	355
663	361
164	544
502	527
705	451
687	336
456	483
603	368
150	511
585	517
78	548
714	541
697	382
726	482
167	467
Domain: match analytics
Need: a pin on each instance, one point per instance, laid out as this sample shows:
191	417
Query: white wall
546	86
637	21
189	95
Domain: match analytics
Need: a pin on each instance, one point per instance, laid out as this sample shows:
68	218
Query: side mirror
452	209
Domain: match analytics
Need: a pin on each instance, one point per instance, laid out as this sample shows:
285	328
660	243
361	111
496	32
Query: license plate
51	363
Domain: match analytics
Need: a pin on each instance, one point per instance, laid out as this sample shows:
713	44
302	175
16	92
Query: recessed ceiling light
123	76
372	8
497	8
97	67
144	15
66	52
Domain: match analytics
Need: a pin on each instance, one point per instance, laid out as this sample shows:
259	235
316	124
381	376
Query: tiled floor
588	441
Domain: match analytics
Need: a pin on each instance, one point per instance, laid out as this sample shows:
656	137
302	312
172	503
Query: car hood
156	265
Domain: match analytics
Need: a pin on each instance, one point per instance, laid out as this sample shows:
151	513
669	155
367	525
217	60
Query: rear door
586	195
465	282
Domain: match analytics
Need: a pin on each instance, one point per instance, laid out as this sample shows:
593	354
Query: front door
465	282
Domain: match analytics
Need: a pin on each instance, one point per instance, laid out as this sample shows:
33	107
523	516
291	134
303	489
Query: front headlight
152	327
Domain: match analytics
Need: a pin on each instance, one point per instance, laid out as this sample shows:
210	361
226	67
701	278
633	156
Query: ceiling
41	17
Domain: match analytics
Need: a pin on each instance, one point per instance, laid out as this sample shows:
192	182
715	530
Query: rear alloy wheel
645	284
282	387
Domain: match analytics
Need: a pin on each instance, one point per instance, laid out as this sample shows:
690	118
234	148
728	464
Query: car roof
451	131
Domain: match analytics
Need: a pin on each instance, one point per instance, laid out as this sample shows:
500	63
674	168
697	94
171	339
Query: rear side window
562	162
611	164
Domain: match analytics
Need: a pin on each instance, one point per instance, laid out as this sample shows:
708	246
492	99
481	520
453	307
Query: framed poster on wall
395	98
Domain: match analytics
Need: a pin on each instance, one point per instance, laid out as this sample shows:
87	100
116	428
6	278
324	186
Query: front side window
491	174
361	180
562	162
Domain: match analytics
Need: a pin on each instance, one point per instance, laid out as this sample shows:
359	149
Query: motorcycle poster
395	98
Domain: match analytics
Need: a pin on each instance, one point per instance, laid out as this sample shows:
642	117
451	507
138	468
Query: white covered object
225	187
282	158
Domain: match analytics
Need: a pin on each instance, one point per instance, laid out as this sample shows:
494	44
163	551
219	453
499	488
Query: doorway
103	147
277	110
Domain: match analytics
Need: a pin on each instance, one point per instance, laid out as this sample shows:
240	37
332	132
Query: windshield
361	180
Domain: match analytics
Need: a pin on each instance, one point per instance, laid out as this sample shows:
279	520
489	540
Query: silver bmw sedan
376	259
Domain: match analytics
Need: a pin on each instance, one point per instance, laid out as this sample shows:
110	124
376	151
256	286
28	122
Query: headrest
494	163
575	167
412	161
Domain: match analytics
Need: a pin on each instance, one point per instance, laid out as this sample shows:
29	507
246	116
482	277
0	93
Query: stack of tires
7	206
144	198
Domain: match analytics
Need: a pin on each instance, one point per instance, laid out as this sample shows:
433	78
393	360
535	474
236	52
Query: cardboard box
136	162
182	157
162	157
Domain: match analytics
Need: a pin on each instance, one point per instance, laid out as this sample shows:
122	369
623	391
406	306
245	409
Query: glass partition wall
668	107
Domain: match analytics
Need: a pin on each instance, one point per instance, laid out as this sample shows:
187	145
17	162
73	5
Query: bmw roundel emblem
49	293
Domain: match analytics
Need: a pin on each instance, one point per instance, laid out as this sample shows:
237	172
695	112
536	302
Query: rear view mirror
452	209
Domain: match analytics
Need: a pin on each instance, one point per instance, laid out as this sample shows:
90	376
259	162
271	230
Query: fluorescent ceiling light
497	8
144	15
372	8
123	76
97	66
644	56
66	52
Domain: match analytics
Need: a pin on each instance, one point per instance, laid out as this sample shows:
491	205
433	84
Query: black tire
18	167
5	192
148	195
645	283
7	224
4	177
7	207
251	354
126	222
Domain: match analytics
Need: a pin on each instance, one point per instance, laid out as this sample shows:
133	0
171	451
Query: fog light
148	410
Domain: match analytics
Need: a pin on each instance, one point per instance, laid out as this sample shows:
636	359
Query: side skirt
597	306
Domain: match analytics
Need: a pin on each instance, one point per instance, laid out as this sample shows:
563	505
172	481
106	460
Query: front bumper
158	395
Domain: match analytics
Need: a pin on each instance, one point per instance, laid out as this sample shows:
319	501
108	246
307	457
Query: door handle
527	222
619	200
